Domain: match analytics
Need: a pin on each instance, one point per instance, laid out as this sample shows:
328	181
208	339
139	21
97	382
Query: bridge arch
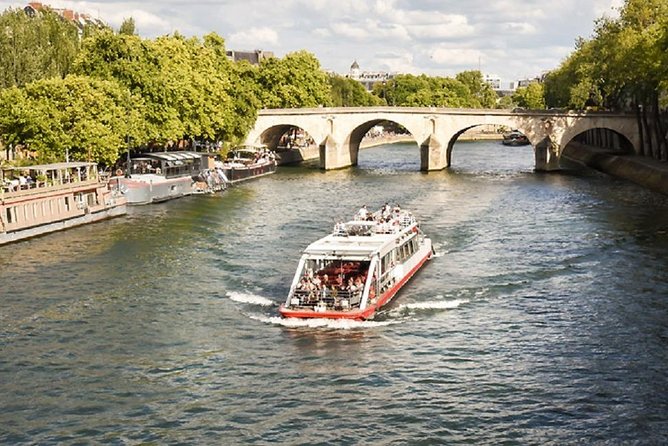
357	134
271	136
507	122
603	135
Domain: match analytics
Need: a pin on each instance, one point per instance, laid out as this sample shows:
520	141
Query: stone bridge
339	131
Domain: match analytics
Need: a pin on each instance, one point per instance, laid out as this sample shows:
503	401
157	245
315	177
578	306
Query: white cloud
455	56
369	29
519	28
513	38
254	37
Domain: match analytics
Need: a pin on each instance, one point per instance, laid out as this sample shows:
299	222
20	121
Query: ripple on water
541	320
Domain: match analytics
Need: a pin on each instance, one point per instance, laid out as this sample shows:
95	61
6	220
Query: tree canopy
466	90
297	80
86	117
346	92
33	48
624	66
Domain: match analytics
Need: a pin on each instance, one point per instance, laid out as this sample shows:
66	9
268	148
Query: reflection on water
542	319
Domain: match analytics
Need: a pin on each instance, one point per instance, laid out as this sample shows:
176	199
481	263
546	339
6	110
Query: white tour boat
357	269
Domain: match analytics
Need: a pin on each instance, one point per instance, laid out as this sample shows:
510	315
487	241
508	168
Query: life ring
119	172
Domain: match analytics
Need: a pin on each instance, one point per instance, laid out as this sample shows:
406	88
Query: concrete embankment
644	171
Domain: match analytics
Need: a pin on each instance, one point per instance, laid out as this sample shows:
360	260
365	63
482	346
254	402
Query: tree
530	97
346	92
482	91
36	47
294	81
88	118
127	27
625	65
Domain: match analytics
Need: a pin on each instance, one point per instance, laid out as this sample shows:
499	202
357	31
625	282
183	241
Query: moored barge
40	199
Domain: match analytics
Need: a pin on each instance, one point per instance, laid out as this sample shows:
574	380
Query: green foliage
624	66
346	92
189	87
87	117
480	90
294	81
34	48
425	91
530	97
624	61
506	102
127	27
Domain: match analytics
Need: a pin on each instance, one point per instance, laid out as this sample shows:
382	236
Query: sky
511	39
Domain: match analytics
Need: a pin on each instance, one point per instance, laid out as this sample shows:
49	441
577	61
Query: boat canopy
169	156
52	166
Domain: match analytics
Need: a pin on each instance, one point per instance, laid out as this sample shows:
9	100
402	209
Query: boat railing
338	299
10	190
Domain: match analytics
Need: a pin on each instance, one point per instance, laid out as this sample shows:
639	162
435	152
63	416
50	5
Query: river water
543	319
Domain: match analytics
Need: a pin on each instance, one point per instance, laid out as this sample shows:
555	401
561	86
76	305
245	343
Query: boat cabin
38	195
167	164
362	263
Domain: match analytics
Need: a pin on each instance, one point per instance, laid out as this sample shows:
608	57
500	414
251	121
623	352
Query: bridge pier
547	156
432	155
334	156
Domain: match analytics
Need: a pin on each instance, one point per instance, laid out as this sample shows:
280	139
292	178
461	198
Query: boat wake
439	250
252	299
434	305
332	324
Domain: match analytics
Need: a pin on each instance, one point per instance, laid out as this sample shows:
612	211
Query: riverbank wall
644	171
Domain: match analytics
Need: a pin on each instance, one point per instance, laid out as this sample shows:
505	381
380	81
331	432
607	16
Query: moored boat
154	177
515	138
40	199
247	162
358	268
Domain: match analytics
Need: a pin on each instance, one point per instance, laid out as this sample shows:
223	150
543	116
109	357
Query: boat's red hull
366	313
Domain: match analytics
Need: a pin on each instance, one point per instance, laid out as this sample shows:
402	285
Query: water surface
542	320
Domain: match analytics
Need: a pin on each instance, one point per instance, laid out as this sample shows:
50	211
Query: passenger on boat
385	211
362	213
359	284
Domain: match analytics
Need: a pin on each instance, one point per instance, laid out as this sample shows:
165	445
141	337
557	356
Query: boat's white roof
354	246
344	242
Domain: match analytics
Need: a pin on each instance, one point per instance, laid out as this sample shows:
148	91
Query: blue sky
513	39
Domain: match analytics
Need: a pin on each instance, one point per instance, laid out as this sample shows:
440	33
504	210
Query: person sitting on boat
340	229
362	213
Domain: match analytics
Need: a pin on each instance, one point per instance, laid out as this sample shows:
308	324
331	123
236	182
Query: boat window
9	215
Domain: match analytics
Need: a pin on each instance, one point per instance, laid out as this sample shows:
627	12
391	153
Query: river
543	319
